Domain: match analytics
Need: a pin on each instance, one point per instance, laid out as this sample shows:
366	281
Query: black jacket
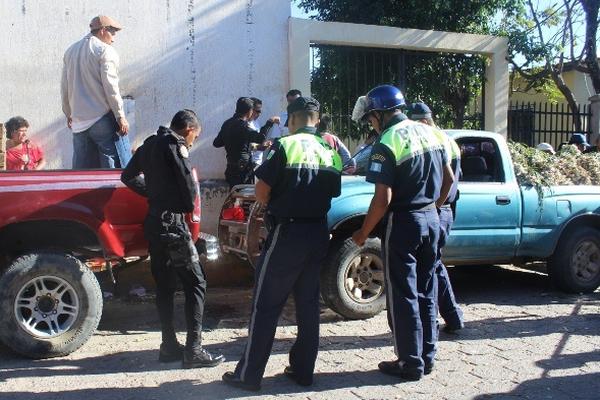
236	135
167	182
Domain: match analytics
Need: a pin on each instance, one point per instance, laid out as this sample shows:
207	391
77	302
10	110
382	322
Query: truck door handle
502	200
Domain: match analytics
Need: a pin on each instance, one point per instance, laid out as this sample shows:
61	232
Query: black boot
170	352
395	368
200	358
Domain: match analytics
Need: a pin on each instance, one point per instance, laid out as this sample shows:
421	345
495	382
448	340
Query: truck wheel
575	265
352	279
50	305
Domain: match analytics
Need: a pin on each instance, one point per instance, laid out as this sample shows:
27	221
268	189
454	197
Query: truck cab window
480	160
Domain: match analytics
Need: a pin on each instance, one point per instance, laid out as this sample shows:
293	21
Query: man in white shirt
280	130
91	99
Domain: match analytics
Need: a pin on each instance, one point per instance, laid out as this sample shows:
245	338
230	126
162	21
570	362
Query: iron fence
554	123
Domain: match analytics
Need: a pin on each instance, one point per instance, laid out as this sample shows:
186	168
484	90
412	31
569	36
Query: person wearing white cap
546	147
91	99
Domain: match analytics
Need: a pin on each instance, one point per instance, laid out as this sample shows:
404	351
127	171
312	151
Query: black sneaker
229	378
394	368
290	373
201	358
170	353
428	368
453	329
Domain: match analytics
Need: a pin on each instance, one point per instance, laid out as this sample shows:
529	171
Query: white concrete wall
199	54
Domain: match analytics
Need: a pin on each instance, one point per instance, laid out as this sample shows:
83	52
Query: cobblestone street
522	340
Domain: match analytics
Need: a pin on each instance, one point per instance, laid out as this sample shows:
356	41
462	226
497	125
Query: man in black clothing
171	193
236	135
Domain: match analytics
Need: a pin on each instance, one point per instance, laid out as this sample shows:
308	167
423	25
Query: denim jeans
95	147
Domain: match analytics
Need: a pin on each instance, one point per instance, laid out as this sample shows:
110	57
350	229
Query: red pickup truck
56	229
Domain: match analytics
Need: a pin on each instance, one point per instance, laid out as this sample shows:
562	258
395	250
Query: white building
174	54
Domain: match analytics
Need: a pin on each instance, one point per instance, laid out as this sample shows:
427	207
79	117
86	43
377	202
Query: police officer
447	305
411	171
297	180
171	193
236	135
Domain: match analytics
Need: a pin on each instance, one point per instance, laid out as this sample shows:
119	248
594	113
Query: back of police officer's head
186	123
304	111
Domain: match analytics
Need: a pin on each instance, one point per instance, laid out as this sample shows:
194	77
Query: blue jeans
95	147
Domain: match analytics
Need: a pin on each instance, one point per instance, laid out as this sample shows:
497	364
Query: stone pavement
523	341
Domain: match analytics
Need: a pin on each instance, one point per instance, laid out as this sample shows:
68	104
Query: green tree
544	42
449	82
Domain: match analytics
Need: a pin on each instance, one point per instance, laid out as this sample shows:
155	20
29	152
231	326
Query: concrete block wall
199	54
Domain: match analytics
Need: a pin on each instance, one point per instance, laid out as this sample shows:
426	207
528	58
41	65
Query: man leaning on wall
91	99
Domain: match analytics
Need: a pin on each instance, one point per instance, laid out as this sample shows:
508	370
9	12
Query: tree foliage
545	41
448	82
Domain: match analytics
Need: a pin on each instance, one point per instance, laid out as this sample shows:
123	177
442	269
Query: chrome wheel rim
586	261
46	307
364	278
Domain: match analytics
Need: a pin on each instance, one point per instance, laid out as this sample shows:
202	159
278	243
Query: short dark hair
243	105
185	119
325	123
14	124
306	116
293	92
256	101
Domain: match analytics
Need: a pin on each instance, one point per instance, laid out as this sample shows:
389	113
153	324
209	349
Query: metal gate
339	74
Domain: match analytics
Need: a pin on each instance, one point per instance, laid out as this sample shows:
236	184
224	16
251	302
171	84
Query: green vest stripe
411	139
305	150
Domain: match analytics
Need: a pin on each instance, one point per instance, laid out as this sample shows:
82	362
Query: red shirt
24	156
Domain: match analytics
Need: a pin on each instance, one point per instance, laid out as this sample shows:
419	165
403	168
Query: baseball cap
545	147
579	138
419	110
102	21
302	104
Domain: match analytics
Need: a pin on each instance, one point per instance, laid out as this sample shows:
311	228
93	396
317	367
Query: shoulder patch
183	151
375	166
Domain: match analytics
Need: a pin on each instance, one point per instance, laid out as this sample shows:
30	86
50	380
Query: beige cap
102	21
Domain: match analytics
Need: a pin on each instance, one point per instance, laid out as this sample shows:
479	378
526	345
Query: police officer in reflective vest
298	179
410	168
167	183
447	305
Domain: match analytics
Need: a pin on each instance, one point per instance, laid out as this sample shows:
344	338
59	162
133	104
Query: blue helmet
383	98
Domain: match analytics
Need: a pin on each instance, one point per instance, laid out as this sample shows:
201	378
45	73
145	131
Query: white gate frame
303	32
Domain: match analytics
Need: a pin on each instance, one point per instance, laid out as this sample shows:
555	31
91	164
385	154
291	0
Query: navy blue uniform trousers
290	263
449	309
410	250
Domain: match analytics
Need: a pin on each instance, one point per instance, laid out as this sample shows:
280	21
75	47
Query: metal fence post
595	119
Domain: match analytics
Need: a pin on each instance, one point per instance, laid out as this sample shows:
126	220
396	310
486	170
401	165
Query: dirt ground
522	340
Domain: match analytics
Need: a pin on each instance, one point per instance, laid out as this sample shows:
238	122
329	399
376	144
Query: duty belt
163	214
298	220
430	206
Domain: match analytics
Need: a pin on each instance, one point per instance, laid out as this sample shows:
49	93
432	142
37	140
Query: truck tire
50	305
575	265
352	279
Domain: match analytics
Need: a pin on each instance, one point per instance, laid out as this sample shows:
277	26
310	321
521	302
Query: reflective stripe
261	278
305	150
409	139
389	292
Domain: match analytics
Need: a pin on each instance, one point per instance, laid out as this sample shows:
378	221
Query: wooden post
2	147
595	119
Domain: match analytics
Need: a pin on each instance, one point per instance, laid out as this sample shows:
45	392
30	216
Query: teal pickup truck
497	222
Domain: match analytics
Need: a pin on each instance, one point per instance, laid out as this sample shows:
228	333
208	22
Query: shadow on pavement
190	389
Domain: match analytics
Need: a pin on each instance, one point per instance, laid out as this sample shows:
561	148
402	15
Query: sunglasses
111	30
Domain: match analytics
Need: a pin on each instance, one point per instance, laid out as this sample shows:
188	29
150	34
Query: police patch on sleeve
183	151
375	166
378	157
